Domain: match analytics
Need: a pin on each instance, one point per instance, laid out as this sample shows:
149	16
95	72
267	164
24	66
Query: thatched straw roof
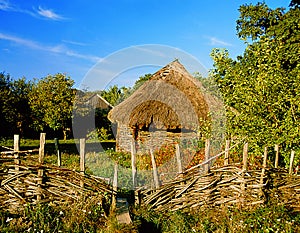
171	99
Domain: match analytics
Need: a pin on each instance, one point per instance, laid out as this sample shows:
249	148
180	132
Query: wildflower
61	213
9	219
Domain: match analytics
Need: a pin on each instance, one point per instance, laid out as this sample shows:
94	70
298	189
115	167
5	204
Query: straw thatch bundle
171	99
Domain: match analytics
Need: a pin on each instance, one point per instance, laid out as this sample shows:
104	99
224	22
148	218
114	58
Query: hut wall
124	138
146	140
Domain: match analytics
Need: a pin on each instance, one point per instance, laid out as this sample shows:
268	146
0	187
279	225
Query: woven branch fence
23	184
230	185
199	186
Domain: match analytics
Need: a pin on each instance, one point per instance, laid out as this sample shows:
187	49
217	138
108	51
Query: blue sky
41	37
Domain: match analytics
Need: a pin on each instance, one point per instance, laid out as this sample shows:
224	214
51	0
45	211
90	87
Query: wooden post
207	155
133	164
292	162
16	151
82	160
178	159
41	161
115	187
245	156
226	156
276	148
56	142
244	169
264	168
155	172
42	148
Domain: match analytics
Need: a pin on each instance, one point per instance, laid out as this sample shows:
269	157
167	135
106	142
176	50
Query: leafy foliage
51	101
115	95
261	88
16	114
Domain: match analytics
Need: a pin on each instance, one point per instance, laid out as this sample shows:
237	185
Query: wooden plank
123	216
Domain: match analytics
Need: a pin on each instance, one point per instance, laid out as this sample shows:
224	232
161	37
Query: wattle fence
201	186
23	182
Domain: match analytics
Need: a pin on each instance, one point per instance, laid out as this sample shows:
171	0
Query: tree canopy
261	88
51	101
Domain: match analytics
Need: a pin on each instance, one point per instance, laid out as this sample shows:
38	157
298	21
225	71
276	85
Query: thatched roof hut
168	107
171	99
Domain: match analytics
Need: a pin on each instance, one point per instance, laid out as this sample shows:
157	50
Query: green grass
90	216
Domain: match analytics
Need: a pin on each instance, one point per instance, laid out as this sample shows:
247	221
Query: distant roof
97	101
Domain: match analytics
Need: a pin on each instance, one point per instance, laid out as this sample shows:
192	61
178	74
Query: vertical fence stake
133	164
115	187
263	170
41	161
16	151
244	169
155	172
56	142
226	156
276	148
245	156
292	162
207	155
178	159
82	160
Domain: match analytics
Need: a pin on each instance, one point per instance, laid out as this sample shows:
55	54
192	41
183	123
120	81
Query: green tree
112	95
16	114
261	88
20	110
5	90
51	101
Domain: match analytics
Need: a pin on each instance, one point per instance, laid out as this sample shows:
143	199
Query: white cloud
58	49
49	14
5	5
214	41
74	42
